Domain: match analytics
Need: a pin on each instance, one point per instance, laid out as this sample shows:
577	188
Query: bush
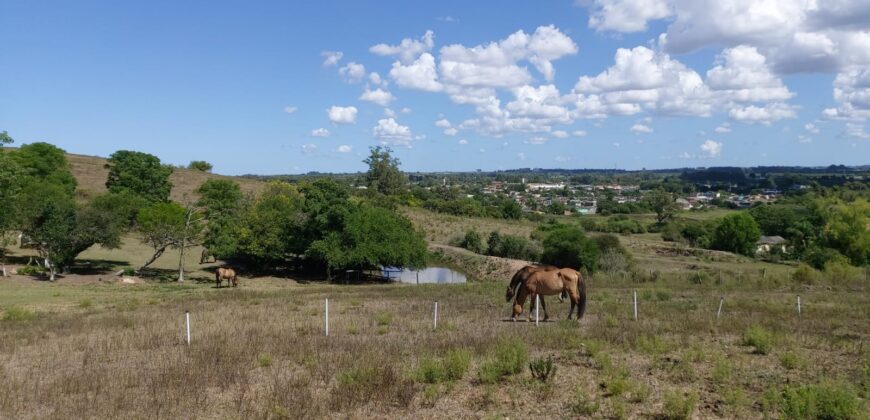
826	400
568	246
543	369
584	406
452	367
678	407
818	258
473	242
737	233
456	363
430	370
805	275
31	270
508	358
759	338
511	246
264	360
200	165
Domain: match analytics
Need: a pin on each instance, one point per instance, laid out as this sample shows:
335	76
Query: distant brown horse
552	282
520	278
226	273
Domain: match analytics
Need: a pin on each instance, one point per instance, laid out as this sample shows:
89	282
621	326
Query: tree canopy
384	175
139	173
737	233
568	246
200	165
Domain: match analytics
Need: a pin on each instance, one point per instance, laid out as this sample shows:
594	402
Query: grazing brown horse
520	278
552	282
226	273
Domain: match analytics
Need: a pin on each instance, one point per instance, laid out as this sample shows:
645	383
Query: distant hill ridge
91	174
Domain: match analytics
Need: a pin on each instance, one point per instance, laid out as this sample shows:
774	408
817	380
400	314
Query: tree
557	207
737	233
384	175
568	246
139	173
169	225
510	209
200	165
848	230
473	242
269	232
45	163
663	204
10	184
222	203
5	138
371	237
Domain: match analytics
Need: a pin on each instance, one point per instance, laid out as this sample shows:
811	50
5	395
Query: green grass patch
758	338
383	319
826	400
18	314
678	406
507	358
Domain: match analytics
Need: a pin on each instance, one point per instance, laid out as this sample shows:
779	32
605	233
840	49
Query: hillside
90	172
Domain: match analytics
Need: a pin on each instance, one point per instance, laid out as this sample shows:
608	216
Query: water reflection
429	275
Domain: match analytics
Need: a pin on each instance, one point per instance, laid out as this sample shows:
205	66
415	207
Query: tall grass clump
826	400
679	407
18	314
758	338
451	367
507	358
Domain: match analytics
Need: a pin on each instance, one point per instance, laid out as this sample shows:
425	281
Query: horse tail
581	304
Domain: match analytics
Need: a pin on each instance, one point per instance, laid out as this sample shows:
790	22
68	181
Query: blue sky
495	85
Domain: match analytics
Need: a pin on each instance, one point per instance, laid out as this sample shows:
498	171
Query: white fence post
537	309
435	323
719	312
635	305
187	325
799	304
326	321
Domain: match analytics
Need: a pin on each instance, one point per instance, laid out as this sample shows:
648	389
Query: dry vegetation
91	174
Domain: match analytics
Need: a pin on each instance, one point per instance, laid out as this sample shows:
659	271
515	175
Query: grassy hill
90	172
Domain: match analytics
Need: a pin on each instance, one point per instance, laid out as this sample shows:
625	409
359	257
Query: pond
428	275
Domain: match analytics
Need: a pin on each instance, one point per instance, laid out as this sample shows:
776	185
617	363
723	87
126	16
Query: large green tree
384	175
270	230
848	230
139	173
663	204
169	225
45	163
369	238
222	203
5	138
737	233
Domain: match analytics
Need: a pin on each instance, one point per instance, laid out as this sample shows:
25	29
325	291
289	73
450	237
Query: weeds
826	400
678	406
264	360
508	358
758	338
18	314
543	369
583	405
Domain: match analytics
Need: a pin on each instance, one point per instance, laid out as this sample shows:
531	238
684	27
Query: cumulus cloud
762	114
290	109
375	78
723	128
560	134
855	131
331	58
579	133
420	74
344	148
742	75
309	148
537	140
320	132
463	141
641	129
352	72
711	149
811	128
626	15
408	50
391	132
342	115
377	96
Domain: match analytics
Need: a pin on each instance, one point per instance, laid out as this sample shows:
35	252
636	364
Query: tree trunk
153	258
184	245
52	272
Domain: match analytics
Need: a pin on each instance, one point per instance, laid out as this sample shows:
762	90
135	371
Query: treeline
317	224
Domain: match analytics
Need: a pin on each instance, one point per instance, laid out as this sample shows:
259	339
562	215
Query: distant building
539	186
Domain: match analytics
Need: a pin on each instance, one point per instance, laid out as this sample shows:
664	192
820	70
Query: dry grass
123	355
91	174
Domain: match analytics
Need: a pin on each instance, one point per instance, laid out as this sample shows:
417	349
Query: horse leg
544	306
519	301
533	304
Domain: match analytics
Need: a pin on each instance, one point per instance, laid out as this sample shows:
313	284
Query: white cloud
408	50
342	115
344	149
538	140
521	156
742	75
352	72
405	110
290	109
389	112
543	102
811	128
855	131
320	132
560	134
642	79
640	128
463	141
852	93
378	96
420	74
443	123
723	128
375	78
309	148
579	133
764	114
391	132
452	131
331	58
626	15
711	148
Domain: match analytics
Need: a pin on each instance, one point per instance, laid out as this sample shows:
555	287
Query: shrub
584	406
86	303
791	360
508	358
264	360
677	407
31	270
473	242
384	319
451	367
128	271
456	363
736	233
543	369
759	338
200	165
826	400
568	246
430	370
805	275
